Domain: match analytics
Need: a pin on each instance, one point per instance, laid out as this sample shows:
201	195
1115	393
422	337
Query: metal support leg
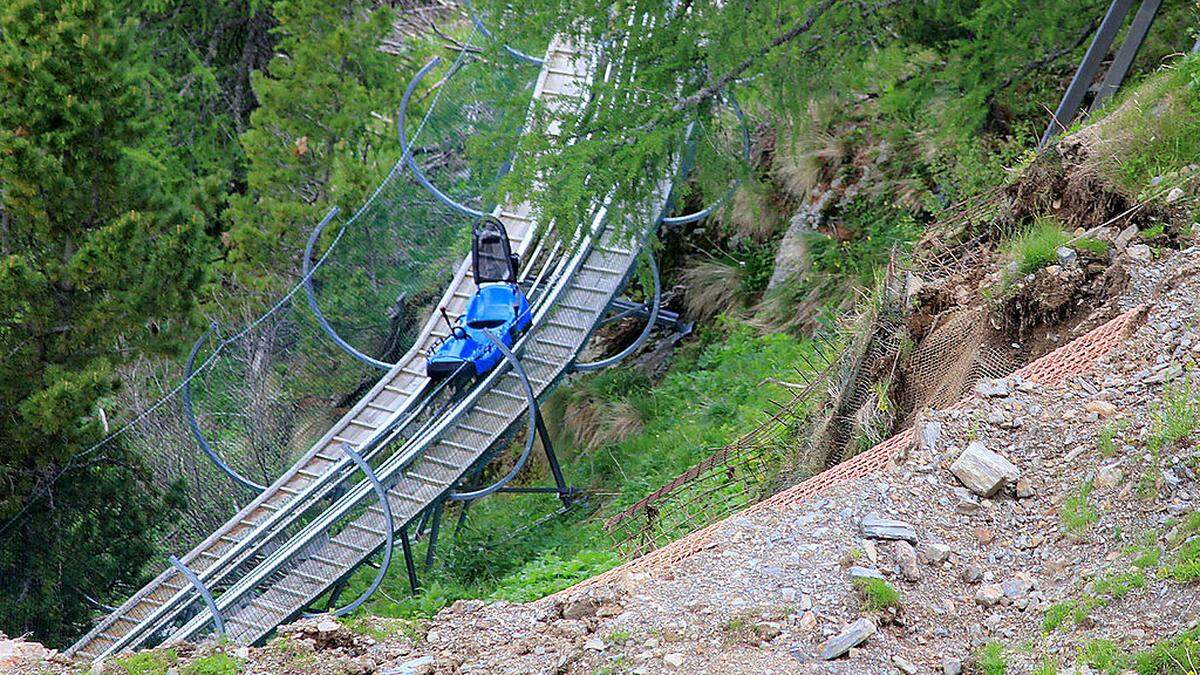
431	549
218	621
406	544
565	493
1127	53
1087	69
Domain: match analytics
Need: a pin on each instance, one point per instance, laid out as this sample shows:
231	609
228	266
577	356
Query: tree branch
792	33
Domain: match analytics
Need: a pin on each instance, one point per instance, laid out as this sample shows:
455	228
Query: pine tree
316	136
99	263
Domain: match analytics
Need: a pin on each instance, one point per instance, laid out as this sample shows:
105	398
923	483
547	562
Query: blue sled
499	307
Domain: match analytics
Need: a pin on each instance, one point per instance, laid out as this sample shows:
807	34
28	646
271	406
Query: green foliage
991	658
548	573
1176	418
1154	130
1176	656
313	141
101	255
216	663
148	663
1057	615
1077	513
1036	248
872	230
1095	247
1103	655
877	594
1105	439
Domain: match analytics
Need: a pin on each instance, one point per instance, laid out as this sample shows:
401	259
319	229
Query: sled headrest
491	253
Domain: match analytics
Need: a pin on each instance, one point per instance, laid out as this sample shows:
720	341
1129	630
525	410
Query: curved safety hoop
641	338
708	210
195	426
388	532
408	155
205	595
533	412
486	33
316	310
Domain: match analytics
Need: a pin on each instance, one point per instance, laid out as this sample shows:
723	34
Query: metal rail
316	309
190	414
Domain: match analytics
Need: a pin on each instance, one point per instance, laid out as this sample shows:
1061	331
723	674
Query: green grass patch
992	659
216	663
1106	443
1037	247
1057	615
877	594
1078	514
1179	655
1177	417
148	663
1184	566
1089	245
1104	655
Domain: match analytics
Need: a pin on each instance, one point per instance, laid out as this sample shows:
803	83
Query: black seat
491	253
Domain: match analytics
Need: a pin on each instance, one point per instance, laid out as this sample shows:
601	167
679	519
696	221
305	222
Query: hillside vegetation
162	161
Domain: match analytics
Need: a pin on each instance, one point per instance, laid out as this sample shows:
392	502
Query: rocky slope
1035	526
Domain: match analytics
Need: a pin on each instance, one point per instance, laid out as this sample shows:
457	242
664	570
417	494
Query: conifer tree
99	263
316	133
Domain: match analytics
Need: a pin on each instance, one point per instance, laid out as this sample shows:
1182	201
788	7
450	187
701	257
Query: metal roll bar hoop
708	210
641	338
218	621
534	425
406	152
195	426
389	533
316	310
488	34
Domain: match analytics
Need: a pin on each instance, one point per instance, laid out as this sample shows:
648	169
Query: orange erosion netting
1067	361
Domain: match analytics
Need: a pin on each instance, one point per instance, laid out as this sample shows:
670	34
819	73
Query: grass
1184	566
149	663
1179	655
1106	439
877	594
991	659
1078	514
1037	247
1103	655
1154	130
719	387
1103	591
1177	417
1088	245
216	663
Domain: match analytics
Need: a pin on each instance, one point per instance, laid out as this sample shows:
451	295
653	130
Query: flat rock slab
852	636
983	472
859	572
875	526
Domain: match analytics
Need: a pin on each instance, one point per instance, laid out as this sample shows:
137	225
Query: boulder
851	636
875	526
906	556
982	471
933	554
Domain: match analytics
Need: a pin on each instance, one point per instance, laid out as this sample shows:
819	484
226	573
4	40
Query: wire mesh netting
265	385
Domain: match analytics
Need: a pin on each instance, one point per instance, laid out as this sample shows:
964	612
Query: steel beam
1142	21
1087	70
